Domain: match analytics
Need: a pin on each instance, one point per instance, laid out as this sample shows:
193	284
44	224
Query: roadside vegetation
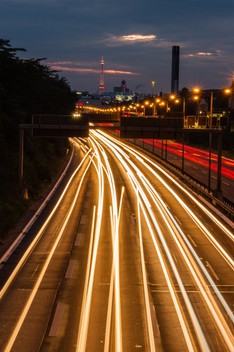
27	87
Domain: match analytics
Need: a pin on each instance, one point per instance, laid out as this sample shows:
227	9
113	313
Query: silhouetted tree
27	86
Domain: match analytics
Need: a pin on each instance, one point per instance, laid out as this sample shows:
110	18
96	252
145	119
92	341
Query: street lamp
211	107
196	91
174	99
152	108
229	92
157	100
153	84
145	104
185	124
162	104
196	99
137	106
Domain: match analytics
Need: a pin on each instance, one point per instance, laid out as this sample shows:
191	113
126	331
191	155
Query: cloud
149	40
204	54
137	38
128	39
68	66
134	39
118	72
73	69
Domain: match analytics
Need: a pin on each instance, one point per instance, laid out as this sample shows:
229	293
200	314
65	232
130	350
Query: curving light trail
103	167
93	249
145	283
32	295
147	200
122	152
115	279
40	233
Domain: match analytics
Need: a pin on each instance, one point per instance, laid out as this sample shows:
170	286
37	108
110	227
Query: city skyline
135	40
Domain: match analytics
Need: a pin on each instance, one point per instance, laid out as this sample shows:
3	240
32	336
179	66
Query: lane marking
57	320
70	268
79	239
191	240
212	270
83	220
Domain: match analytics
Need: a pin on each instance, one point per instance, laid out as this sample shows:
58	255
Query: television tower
101	82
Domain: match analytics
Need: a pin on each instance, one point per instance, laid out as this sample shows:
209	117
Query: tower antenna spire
102	82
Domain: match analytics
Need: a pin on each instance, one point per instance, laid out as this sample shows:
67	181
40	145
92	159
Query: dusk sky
134	37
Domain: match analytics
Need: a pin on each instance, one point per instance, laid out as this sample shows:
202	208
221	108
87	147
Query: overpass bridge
164	128
129	127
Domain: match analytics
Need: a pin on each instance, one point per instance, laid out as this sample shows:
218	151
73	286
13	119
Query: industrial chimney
175	70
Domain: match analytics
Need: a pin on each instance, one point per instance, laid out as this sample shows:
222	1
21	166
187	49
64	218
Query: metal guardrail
224	205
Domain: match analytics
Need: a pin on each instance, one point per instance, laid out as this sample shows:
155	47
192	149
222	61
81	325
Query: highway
123	257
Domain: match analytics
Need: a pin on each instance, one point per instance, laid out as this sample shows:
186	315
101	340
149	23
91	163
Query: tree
27	87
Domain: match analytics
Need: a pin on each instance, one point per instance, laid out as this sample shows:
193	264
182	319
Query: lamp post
172	97
196	91
229	92
183	109
152	108
211	108
146	103
153	84
157	100
218	191
210	138
162	104
137	106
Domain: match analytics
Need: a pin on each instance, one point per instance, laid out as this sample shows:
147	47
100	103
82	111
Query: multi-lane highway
123	257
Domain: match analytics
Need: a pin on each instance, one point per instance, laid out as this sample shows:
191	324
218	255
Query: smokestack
175	70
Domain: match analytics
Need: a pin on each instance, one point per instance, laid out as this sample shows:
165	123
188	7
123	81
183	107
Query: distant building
122	93
122	89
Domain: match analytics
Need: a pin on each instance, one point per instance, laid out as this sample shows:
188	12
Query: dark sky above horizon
134	37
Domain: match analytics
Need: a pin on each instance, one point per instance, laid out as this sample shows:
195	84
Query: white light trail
114	291
115	279
175	300
40	232
178	234
137	188
145	283
46	264
86	306
185	247
144	160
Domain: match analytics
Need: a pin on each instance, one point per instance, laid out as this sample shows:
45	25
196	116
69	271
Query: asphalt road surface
123	257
